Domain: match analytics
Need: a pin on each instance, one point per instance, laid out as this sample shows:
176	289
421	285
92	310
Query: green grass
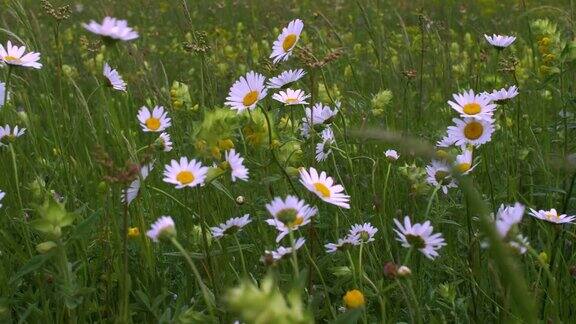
421	51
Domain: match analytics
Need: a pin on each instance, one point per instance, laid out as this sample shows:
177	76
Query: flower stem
241	255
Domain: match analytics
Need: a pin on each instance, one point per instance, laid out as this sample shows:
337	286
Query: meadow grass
73	252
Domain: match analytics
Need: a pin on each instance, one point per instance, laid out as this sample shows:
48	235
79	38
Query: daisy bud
404	272
353	299
391	155
543	258
390	270
240	200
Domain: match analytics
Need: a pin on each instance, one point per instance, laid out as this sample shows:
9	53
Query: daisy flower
283	46
439	175
2	93
469	104
552	216
163	228
112	28
291	97
2	194
14	55
503	95
508	216
342	244
323	149
471	131
114	78
246	92
289	215
323	186
8	135
184	173
156	120
165	142
391	155
285	78
520	244
419	236
365	232
231	226
318	115
463	161
236	163
282	251
129	194
500	41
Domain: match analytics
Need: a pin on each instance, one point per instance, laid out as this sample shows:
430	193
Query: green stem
241	255
294	255
7	85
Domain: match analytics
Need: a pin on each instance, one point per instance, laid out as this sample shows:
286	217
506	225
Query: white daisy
132	191
469	104
446	141
289	215
503	95
163	228
319	114
471	131
508	216
8	135
285	78
246	92
463	161
2	194
114	78
231	226
165	142
439	175
552	216
323	149
2	93
14	55
342	244
156	120
323	186
365	232
520	244
184	173
112	28
282	251
391	155
291	97
236	163
419	236
283	46
500	41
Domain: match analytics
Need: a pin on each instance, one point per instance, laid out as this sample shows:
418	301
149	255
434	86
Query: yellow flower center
463	167
290	101
289	42
550	216
153	123
250	98
133	232
11	59
185	177
353	299
473	130
297	222
322	189
472	108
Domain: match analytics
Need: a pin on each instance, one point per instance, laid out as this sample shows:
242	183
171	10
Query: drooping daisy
471	131
246	92
285	78
165	142
365	232
342	244
236	163
8	135
500	41
133	190
112	28
463	161
439	175
552	216
156	120
2	93
323	149
114	78
231	226
391	155
289	215
323	186
2	194
184	173
503	95
319	114
163	228
283	46
508	216
283	252
14	55
291	97
419	236
469	104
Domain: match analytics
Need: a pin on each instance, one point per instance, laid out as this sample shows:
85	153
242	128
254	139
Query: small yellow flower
353	299
133	232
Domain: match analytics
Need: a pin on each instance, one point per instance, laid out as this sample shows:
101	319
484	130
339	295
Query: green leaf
33	264
350	316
